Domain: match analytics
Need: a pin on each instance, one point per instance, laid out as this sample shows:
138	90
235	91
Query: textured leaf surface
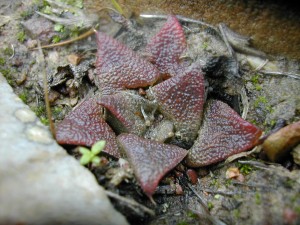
222	134
150	160
181	100
84	126
119	68
167	46
126	107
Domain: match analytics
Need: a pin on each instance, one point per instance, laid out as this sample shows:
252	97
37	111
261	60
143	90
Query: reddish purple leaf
222	134
150	160
126	108
119	68
167	46
181	100
84	126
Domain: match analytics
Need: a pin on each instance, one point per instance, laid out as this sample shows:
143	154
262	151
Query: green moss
289	183
56	39
26	14
260	100
228	182
255	79
47	10
2	61
297	209
258	87
210	206
7	74
24	96
183	223
21	36
245	169
236	213
44	121
59	28
192	215
39	111
56	111
214	182
204	45
8	51
75	3
257	198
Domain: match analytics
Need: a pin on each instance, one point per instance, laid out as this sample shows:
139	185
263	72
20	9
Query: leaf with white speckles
167	46
181	100
84	126
119	68
150	160
222	134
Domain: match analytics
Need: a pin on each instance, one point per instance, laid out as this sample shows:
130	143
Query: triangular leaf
167	46
119	68
222	134
84	126
181	100
150	160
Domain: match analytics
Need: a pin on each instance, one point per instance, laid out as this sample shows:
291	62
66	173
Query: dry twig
135	206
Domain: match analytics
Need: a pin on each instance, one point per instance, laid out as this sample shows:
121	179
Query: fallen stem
200	198
220	192
80	37
130	203
46	95
180	18
292	75
13	49
243	154
245	103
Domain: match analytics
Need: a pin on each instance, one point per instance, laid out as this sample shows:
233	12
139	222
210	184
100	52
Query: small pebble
25	115
38	134
192	175
74	59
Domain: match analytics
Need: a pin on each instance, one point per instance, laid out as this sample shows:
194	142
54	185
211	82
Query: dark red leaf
126	107
84	126
167	46
119	68
150	160
222	134
181	100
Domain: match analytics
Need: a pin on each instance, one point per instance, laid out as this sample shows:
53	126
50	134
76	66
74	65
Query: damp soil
265	193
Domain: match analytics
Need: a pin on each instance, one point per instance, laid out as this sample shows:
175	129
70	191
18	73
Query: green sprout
21	36
90	156
55	39
59	27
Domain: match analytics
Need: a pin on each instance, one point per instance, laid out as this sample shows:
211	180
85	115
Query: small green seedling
90	156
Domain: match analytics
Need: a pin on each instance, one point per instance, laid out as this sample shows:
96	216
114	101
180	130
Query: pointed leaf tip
150	160
84	126
167	46
98	147
222	134
119	68
181	100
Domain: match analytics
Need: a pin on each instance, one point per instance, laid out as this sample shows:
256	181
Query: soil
263	193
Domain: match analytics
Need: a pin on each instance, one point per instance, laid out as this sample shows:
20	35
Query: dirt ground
265	193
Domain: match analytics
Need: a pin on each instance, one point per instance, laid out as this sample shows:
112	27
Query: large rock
39	182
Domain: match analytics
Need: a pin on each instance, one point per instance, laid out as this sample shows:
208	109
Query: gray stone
39	182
